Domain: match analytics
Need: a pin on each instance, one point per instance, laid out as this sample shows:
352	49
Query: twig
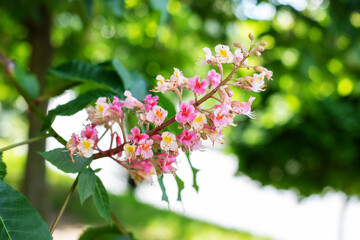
25	142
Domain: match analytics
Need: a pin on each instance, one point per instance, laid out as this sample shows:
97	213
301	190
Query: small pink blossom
219	118
136	136
144	149
130	151
157	115
186	114
224	96
243	107
197	86
118	143
213	79
190	139
141	170
199	121
131	102
164	161
178	78
90	132
150	102
72	144
162	85
213	133
209	58
115	111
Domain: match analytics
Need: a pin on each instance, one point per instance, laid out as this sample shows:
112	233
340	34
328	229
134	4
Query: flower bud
263	43
251	36
257	54
180	126
260	48
203	136
187	126
229	92
238	45
259	68
246	54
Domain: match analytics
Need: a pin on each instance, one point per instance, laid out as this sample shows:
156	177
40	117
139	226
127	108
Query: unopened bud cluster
155	151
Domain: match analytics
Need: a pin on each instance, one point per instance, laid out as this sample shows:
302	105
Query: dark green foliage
18	219
101	200
2	167
163	189
61	159
76	105
87	184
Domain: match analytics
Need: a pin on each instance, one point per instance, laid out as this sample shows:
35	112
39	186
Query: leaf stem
72	189
118	225
25	142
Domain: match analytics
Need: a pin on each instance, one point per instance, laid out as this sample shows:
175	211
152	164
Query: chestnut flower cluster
156	150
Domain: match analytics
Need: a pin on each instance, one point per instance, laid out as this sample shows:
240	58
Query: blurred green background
307	133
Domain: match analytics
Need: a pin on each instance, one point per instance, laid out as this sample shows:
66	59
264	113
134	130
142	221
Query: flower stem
25	142
72	189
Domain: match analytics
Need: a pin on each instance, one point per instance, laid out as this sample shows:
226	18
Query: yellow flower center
223	53
199	119
87	144
101	109
168	139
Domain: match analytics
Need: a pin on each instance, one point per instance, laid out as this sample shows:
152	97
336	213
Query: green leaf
116	7
85	72
133	81
180	184
61	159
101	200
2	168
27	81
18	219
163	190
75	105
194	171
87	184
103	233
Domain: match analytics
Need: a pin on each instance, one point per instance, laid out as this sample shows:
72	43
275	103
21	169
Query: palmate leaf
87	184
86	72
18	219
103	233
101	200
61	159
76	105
2	168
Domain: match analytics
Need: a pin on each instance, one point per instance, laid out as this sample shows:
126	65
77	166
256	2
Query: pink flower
157	115
164	161
209	58
213	79
219	118
115	110
144	149
72	144
150	102
190	139
141	171
90	132
243	107
224	96
131	102
197	86
213	134
136	137
199	121
130	151
186	114
162	85
85	147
